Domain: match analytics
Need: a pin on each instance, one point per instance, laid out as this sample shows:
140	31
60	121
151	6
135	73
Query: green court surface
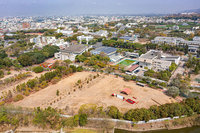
126	62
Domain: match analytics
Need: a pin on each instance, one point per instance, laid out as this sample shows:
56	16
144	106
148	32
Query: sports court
126	62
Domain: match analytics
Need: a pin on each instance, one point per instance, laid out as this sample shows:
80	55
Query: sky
81	7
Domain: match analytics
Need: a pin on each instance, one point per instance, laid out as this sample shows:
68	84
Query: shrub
69	122
43	84
88	109
38	69
55	80
82	119
114	112
2	103
173	91
47	117
79	69
127	77
1	74
76	120
32	83
8	72
18	97
57	93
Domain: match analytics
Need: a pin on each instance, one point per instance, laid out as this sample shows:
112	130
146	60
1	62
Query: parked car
130	101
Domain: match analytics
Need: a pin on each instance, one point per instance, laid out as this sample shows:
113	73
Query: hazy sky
76	7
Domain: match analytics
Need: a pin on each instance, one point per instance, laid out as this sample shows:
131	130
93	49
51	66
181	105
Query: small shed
126	91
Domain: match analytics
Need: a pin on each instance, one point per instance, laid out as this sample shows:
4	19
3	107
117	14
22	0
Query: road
179	70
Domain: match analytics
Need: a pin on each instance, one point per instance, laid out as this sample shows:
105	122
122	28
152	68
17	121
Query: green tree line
37	56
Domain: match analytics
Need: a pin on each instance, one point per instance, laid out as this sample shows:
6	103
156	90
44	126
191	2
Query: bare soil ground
97	91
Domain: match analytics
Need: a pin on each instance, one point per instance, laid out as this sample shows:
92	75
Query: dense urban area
99	72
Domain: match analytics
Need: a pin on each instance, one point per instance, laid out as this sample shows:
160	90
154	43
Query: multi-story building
168	40
193	45
42	41
87	38
102	33
65	32
157	61
71	52
176	41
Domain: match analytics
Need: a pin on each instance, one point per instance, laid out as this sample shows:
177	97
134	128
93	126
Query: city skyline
81	7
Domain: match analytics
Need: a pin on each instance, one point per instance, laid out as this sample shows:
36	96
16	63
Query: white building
129	25
42	41
65	32
167	40
71	52
176	41
87	38
157	61
196	38
102	33
188	32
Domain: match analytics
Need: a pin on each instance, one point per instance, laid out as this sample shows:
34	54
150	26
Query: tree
31	83
25	60
68	62
57	93
18	97
58	35
38	69
82	119
127	77
114	112
196	69
172	67
79	69
173	91
1	74
3	54
37	56
47	117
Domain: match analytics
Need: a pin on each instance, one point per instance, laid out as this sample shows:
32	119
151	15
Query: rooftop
106	50
74	49
133	67
150	54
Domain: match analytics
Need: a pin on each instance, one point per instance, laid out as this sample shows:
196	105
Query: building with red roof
132	68
126	91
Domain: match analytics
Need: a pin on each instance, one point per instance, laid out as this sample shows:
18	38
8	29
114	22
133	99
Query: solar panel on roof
106	50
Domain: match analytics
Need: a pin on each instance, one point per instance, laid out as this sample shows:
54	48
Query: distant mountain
191	11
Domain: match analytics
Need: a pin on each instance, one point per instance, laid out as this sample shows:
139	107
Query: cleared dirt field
97	91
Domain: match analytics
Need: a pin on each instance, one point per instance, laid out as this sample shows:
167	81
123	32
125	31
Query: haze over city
80	7
100	66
